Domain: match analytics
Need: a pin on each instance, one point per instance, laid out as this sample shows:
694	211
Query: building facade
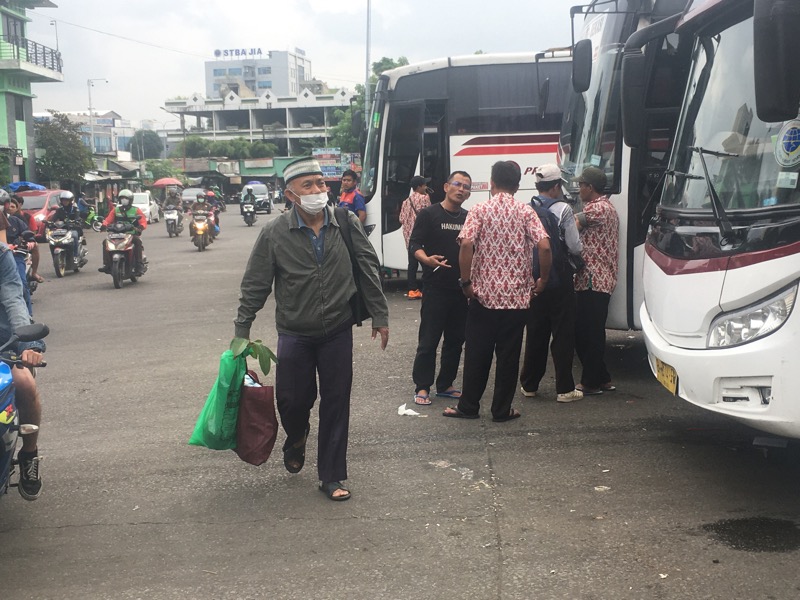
290	122
250	72
22	61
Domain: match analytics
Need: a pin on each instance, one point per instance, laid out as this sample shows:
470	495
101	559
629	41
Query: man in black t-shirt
434	243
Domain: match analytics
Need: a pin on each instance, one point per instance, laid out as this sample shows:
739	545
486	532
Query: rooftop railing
20	48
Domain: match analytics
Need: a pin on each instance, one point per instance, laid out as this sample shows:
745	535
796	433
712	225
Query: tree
263	150
145	144
221	148
386	63
196	147
343	129
65	158
240	148
162	168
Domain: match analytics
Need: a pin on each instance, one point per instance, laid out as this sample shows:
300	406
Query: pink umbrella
167	181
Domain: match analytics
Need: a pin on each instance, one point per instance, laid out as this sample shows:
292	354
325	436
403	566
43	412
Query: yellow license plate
667	376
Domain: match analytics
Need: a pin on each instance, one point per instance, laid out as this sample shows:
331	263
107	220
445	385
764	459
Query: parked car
189	195
40	205
145	202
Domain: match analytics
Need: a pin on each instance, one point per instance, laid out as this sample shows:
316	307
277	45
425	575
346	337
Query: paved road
631	495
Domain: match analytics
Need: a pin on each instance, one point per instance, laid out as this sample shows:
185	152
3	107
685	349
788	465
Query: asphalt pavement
633	494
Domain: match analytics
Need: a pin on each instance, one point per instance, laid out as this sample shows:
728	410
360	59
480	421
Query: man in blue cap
303	254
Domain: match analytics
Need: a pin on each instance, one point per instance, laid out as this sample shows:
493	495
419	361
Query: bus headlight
753	322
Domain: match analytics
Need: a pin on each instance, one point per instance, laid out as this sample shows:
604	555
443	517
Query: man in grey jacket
303	254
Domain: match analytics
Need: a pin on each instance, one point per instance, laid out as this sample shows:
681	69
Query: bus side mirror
634	89
776	47
357	124
544	96
582	66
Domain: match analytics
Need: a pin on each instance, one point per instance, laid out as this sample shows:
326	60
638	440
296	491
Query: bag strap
343	219
411	204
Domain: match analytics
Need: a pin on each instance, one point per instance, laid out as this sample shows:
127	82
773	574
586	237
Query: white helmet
125	198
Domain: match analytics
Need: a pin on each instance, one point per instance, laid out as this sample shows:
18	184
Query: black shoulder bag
357	305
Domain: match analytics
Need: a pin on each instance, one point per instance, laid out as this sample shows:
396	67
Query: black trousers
300	360
491	332
552	314
413	266
443	312
590	337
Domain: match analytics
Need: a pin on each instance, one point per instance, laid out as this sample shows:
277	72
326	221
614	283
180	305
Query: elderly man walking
303	253
496	256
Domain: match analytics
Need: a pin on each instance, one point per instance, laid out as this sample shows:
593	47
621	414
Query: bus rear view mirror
357	123
776	47
544	97
582	66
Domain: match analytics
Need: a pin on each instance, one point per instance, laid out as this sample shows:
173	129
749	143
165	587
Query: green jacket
310	299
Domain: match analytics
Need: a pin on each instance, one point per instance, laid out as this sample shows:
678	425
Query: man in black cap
594	283
304	254
409	210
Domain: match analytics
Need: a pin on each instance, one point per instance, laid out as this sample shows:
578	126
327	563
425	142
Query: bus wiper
675	173
720	216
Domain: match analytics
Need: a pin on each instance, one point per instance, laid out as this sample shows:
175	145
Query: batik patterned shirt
409	211
600	237
504	232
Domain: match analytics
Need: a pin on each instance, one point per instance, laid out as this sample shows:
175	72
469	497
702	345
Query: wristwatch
464	283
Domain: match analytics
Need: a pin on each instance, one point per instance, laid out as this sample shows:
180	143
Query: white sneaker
526	393
570	396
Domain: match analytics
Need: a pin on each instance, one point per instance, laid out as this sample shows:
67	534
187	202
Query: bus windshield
372	152
751	164
589	131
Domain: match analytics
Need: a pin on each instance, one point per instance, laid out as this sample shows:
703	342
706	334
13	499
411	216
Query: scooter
120	251
249	214
22	251
202	224
10	427
59	235
93	221
173	220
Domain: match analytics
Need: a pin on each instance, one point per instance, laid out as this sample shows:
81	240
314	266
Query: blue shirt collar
301	224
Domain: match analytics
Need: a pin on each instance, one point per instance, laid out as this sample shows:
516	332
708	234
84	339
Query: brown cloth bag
257	425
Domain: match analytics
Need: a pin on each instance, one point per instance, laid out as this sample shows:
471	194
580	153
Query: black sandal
512	414
332	486
294	457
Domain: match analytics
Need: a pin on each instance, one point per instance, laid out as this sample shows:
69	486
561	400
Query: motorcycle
10	427
93	221
59	236
120	250
201	228
173	221
249	214
22	251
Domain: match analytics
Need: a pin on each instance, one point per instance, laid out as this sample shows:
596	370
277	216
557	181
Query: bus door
435	151
403	150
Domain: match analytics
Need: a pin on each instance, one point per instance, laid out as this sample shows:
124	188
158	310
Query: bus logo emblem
787	145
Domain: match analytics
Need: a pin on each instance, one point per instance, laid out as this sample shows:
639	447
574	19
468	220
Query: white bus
461	113
723	256
591	134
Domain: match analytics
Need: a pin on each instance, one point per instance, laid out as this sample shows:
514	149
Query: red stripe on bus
534	138
522	149
679	266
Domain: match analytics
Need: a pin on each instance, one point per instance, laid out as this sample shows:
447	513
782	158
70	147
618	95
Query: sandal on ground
451	393
457	414
608	387
421	400
589	391
512	414
330	487
294	457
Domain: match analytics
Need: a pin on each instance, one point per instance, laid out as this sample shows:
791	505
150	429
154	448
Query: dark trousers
300	360
413	266
552	313
443	312
590	337
489	332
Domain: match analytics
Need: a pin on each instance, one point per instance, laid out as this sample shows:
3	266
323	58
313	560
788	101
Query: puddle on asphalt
757	534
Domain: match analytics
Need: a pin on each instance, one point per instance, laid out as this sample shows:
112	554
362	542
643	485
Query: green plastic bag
216	425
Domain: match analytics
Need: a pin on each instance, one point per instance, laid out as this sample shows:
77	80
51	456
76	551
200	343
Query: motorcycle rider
126	211
68	211
174	199
15	227
13	315
202	206
248	198
12	205
213	201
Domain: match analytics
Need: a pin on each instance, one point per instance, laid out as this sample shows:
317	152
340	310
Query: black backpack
560	272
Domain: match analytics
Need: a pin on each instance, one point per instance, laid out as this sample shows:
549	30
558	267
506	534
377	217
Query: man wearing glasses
434	243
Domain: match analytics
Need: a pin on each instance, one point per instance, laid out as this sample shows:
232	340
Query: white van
145	203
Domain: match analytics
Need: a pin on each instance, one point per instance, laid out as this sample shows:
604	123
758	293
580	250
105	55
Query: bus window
434	153
403	149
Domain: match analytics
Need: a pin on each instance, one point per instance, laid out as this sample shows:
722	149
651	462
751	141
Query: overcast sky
333	34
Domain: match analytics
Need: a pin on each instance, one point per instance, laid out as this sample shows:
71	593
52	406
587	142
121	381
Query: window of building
249	71
236	71
217	87
19	108
13	28
219	72
264	85
265	70
301	73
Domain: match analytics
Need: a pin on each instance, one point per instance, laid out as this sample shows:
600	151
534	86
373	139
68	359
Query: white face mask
313	203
